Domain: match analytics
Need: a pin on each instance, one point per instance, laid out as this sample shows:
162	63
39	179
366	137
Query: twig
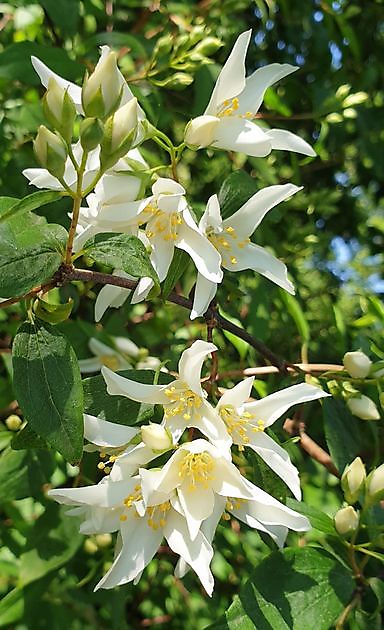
308	368
297	427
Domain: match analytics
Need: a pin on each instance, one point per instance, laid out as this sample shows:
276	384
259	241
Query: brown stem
314	450
307	368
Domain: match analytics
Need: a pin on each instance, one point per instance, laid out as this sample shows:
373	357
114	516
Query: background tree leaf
342	432
31	202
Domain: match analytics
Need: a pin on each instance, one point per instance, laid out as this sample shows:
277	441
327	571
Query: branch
211	315
297	427
307	368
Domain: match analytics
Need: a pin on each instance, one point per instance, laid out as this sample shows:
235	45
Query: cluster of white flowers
164	219
183	499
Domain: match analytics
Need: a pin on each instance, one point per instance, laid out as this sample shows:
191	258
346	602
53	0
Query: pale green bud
208	46
200	132
363	407
119	133
352	480
163	46
102	90
50	151
13	422
91	133
375	483
346	521
357	364
103	540
90	547
156	437
59	109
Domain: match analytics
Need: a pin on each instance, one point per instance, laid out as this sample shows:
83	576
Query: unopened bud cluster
110	120
359	366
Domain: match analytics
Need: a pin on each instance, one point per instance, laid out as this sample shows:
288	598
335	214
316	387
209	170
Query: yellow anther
197	469
103	455
233	260
107	470
231	231
226	517
101	465
149	233
123	517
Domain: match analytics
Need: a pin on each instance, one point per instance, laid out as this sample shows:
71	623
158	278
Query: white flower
156	436
115	358
231	238
227	121
357	364
246	422
116	505
169	224
102	90
184	400
107	435
206	484
363	407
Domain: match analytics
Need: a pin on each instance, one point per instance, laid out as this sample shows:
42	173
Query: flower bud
357	364
91	133
102	91
59	109
156	437
375	483
352	480
120	130
208	46
346	521
363	407
13	422
90	546
200	132
103	540
50	151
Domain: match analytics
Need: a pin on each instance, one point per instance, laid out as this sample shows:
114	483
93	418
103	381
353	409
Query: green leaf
6	203
235	191
27	438
48	387
15	62
31	251
23	473
53	540
292	589
342	432
318	519
296	312
179	264
52	313
32	202
97	401
122	251
64	14
11	607
264	477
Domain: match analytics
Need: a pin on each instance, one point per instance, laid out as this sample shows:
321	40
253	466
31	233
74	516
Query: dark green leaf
122	251
235	191
5	204
15	62
179	264
48	387
31	251
27	438
11	607
53	540
296	312
266	478
64	14
36	200
319	520
292	590
342	432
23	473
97	402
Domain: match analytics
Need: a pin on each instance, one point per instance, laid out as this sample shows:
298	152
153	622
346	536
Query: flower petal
121	386
88	366
231	80
109	296
212	426
197	553
277	459
198	504
288	141
205	291
104	433
40	178
249	216
238	394
191	362
205	256
140	543
105	494
46	73
259	259
239	134
212	215
162	254
270	408
258	82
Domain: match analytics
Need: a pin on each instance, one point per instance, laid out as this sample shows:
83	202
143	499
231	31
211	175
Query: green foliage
48	387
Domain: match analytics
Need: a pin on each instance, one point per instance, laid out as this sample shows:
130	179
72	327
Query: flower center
230	107
197	469
130	499
161	222
110	361
233	503
182	402
238	425
157	515
226	242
